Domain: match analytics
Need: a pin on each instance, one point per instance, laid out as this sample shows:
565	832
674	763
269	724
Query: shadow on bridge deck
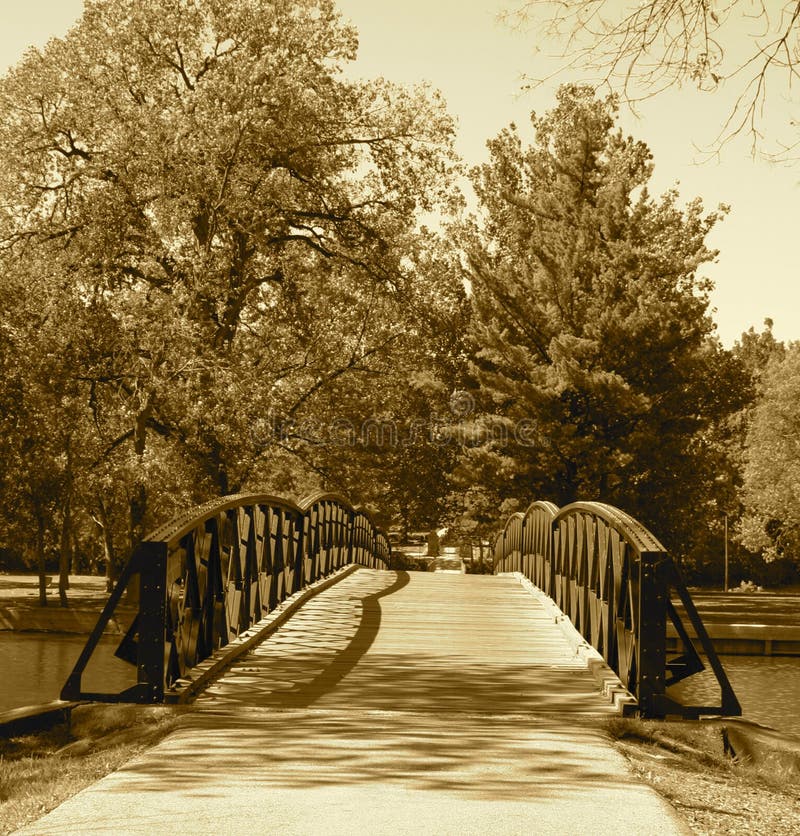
416	642
390	703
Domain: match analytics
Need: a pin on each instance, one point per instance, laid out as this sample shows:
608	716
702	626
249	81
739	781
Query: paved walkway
402	703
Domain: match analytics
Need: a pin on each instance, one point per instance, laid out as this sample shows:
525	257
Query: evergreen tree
597	368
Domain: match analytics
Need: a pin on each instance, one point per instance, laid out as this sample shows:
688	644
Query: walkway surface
393	702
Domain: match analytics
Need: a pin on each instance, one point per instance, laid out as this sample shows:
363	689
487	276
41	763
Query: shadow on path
305	694
481	757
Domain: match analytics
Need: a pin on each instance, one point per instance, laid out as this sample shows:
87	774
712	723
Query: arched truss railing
199	581
615	582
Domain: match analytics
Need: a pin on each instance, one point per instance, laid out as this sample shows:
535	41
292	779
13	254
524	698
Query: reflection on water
767	687
35	666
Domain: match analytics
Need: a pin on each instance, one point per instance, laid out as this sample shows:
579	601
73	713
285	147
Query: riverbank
41	770
20	610
746	623
685	762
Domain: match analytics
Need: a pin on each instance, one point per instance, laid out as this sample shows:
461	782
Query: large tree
227	221
598	373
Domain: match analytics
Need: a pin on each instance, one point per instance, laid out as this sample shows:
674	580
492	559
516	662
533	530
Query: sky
479	65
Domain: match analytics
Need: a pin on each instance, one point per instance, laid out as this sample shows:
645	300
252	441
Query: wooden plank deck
416	641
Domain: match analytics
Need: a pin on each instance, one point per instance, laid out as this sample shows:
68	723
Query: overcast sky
478	63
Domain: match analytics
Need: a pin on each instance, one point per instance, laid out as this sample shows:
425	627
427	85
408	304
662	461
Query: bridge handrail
209	573
614	580
184	522
635	534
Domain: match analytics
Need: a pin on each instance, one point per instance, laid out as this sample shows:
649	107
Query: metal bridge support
652	645
614	580
208	575
152	562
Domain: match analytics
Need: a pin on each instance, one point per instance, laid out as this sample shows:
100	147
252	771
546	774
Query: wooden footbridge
415	641
334	694
197	588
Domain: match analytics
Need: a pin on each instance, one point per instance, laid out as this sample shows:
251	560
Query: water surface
35	666
768	687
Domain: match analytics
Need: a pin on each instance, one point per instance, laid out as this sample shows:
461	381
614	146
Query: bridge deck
416	641
390	703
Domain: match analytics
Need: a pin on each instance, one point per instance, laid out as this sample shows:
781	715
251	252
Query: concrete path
402	703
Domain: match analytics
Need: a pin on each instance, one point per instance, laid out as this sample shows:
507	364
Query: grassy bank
39	771
20	609
685	762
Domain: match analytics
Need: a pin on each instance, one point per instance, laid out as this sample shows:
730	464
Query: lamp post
725	589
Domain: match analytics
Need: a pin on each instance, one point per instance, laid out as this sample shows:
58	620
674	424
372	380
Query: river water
768	688
34	667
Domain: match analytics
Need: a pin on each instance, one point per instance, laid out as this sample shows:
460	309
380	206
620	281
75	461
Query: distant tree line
216	278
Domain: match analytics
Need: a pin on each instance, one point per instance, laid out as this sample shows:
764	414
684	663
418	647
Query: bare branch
641	50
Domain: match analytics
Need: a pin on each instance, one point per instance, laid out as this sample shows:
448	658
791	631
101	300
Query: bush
475	568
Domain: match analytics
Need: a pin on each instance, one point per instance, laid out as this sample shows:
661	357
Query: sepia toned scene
399	417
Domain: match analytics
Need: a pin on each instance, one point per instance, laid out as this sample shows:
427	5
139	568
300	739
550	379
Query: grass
685	762
702	742
39	771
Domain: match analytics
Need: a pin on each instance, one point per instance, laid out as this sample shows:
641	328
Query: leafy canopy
771	489
223	231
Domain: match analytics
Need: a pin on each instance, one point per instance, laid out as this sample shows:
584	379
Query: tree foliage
771	490
598	374
212	237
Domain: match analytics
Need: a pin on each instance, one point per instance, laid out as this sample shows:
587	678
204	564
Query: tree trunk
405	523
433	544
65	554
138	509
76	550
465	550
108	544
40	559
216	467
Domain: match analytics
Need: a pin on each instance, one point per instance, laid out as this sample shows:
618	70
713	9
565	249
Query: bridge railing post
151	657
651	645
350	536
314	544
300	540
